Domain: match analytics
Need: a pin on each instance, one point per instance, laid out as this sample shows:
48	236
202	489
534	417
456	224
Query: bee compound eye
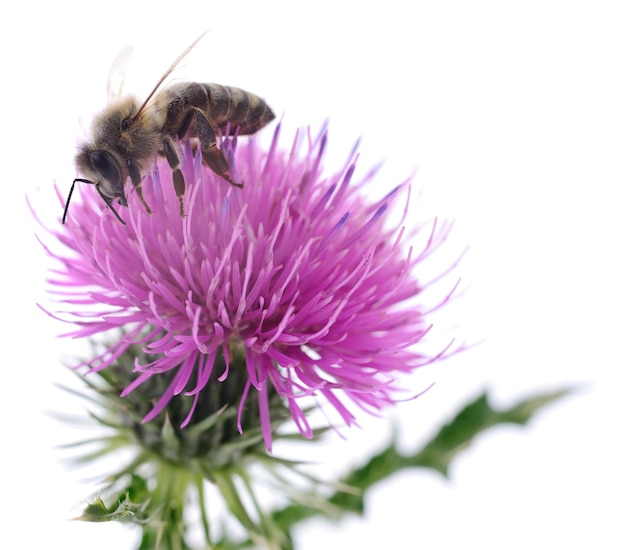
106	166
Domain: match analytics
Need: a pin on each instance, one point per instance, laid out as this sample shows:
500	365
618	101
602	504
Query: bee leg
179	181
109	203
135	177
211	155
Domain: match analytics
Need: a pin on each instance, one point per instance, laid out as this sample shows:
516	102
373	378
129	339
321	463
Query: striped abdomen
240	108
220	104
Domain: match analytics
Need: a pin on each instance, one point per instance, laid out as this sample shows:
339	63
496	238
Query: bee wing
117	73
167	73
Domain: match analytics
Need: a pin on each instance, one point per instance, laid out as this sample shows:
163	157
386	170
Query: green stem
166	528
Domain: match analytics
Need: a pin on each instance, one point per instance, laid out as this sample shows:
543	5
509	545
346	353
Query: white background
513	116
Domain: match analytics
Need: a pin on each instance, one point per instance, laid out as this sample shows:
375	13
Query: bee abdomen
242	109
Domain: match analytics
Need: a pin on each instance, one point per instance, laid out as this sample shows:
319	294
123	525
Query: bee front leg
169	148
211	155
106	199
135	177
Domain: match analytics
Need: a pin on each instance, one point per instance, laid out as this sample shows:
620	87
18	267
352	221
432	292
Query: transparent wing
117	73
167	73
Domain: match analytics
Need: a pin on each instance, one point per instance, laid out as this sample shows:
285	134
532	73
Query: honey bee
127	136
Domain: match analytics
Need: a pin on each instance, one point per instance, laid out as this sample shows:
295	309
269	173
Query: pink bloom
296	276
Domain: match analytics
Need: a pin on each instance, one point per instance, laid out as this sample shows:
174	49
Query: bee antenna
69	196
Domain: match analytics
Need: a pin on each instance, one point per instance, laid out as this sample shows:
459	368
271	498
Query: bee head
104	170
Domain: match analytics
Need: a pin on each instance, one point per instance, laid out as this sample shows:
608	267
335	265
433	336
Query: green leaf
472	420
448	443
97	511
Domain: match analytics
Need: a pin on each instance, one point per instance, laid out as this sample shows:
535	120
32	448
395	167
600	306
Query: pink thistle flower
296	276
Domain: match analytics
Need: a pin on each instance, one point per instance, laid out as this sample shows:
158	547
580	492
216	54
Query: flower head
296	280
